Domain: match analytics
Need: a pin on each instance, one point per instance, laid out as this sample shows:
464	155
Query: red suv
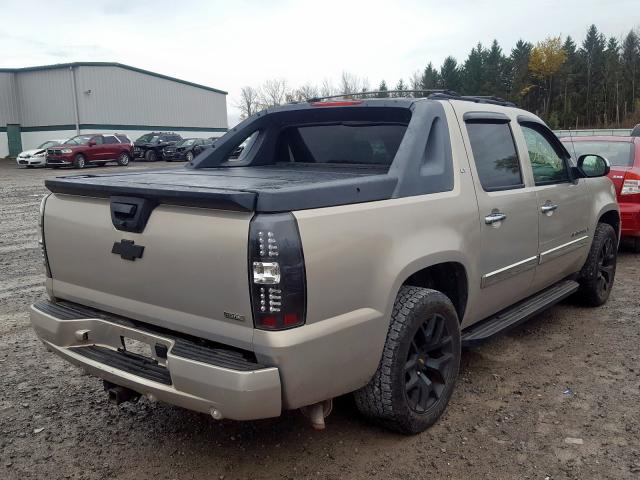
91	148
623	154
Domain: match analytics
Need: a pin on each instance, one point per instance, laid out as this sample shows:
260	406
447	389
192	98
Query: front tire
79	161
189	157
599	271
419	365
123	159
150	156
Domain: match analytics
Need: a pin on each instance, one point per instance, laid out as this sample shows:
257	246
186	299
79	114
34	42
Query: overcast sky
229	44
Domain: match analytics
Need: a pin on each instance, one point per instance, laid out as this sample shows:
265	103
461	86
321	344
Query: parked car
636	131
353	246
623	153
36	156
90	148
150	145
185	149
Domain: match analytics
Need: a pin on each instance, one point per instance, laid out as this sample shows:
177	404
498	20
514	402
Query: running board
518	313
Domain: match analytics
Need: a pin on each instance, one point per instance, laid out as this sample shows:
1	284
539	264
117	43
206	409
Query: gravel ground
556	398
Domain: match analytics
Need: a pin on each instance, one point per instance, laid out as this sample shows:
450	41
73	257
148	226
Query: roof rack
490	99
377	92
433	94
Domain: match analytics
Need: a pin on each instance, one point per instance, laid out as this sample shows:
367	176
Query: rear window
619	154
495	155
344	143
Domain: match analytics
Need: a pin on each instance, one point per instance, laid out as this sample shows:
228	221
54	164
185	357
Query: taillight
276	272
631	185
41	242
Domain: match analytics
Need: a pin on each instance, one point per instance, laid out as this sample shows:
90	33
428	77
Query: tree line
594	84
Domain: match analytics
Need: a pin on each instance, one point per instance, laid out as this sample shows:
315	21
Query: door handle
548	208
494	217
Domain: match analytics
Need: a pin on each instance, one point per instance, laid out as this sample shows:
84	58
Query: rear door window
495	156
619	154
110	139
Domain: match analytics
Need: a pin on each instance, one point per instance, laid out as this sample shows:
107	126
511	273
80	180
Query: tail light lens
41	242
276	272
631	185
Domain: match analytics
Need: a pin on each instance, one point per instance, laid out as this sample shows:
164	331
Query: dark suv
92	148
150	145
186	149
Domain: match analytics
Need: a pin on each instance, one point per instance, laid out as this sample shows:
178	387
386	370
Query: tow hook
317	412
118	394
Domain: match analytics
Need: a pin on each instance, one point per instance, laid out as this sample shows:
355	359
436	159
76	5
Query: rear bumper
630	216
197	377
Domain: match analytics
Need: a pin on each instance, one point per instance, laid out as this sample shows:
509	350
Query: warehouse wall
9	108
125	97
46	97
109	98
4	144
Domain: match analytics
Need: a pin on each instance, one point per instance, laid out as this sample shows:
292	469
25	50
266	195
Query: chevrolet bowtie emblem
128	250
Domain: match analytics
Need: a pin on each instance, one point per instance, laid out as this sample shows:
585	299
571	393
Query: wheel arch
449	277
611	217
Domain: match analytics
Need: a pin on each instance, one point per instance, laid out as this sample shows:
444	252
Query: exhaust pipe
118	394
317	412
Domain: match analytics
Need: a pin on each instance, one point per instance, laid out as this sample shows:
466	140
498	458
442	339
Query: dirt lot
557	398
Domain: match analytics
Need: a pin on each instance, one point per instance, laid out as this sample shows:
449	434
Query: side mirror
591	166
92	143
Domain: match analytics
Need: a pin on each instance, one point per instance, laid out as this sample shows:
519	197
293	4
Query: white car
37	156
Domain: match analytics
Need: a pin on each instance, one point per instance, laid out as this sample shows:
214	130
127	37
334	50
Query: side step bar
518	313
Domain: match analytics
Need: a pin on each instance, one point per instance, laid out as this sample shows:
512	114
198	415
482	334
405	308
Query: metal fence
618	132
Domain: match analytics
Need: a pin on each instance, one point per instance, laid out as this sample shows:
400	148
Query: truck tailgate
192	271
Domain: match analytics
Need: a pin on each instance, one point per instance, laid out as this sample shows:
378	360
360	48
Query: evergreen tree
612	81
568	84
630	73
430	78
494	71
473	77
382	90
450	74
400	88
591	57
520	81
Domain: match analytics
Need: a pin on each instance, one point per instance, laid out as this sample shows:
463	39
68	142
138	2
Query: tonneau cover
280	187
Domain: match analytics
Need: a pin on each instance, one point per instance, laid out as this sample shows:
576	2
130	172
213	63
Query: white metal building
63	100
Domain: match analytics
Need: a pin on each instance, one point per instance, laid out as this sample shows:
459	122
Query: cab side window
495	156
548	166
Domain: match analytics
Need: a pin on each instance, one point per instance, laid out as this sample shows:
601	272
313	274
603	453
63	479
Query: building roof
109	64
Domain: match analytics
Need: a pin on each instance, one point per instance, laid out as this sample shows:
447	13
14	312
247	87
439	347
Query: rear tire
599	271
79	161
150	156
419	365
123	159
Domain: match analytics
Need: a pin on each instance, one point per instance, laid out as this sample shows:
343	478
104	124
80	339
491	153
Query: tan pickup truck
324	248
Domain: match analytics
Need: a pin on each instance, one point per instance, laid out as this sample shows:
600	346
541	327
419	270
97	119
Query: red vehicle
91	148
623	154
